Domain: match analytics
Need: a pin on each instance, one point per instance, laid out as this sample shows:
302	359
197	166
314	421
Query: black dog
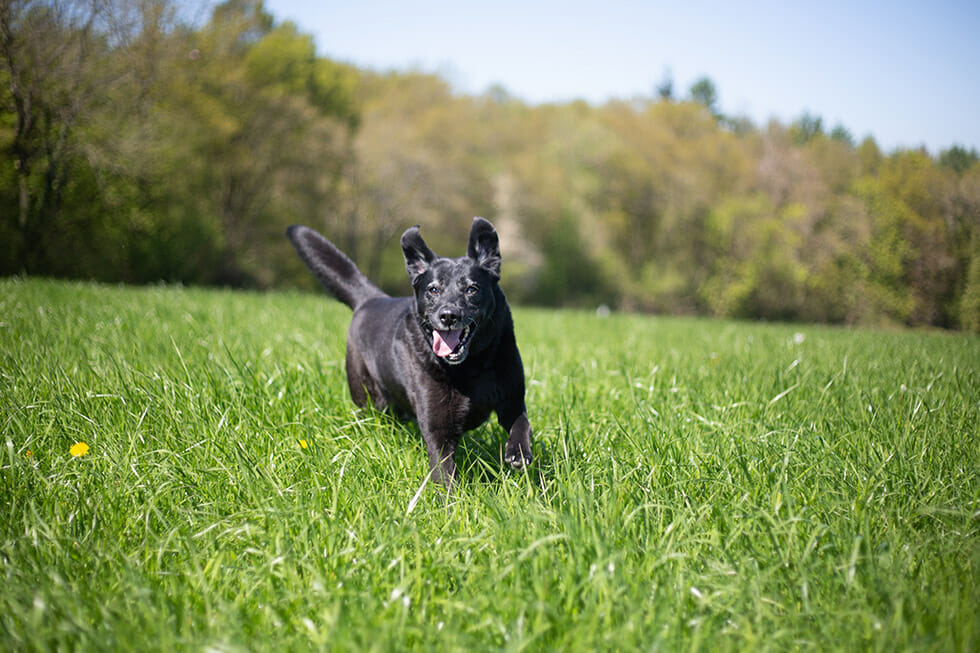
446	356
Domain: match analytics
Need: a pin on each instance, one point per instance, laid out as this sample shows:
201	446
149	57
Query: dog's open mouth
451	345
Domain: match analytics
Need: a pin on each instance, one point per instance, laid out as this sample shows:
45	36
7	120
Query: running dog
445	356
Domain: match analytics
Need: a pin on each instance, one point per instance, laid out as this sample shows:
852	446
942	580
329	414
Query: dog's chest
471	399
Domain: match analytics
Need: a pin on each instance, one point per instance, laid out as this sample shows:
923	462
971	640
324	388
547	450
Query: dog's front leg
441	444
517	452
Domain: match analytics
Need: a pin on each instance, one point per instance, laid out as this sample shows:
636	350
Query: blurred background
147	141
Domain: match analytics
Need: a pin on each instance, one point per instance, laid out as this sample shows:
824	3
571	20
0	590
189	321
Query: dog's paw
517	454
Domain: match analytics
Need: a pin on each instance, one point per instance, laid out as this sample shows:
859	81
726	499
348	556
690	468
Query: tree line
143	145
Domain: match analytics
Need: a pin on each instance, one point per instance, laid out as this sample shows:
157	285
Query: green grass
698	485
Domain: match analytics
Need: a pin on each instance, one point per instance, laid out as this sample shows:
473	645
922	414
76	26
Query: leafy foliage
140	148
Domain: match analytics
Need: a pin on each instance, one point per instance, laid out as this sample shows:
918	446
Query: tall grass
698	485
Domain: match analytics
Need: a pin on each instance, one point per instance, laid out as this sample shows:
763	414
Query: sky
905	73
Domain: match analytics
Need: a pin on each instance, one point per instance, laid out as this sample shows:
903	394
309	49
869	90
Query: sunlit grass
697	485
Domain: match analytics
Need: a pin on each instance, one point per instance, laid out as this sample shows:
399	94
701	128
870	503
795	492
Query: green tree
665	89
958	159
806	128
842	134
870	156
970	301
140	148
52	55
268	134
705	93
921	191
570	276
757	268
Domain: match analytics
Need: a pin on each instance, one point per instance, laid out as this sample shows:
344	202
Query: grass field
698	485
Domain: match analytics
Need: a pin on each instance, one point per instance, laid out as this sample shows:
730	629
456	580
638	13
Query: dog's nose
449	319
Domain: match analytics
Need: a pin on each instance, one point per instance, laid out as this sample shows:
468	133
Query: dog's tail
336	272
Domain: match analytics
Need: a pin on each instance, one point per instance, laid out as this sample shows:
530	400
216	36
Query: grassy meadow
698	485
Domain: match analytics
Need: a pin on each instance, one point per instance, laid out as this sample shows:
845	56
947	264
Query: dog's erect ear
484	247
418	256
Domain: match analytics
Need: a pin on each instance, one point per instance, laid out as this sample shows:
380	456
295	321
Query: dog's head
454	296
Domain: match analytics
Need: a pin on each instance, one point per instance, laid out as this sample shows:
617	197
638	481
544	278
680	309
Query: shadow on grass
480	454
480	457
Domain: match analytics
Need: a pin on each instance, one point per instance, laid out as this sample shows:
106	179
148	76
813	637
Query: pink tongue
444	342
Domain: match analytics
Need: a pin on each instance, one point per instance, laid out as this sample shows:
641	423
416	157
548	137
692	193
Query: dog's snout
449	319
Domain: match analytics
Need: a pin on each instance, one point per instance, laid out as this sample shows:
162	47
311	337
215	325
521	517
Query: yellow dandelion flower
28	453
78	449
304	444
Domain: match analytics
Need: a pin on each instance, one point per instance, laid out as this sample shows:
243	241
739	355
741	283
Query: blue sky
907	73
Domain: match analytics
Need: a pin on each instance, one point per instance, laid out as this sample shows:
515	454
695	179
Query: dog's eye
433	291
472	289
